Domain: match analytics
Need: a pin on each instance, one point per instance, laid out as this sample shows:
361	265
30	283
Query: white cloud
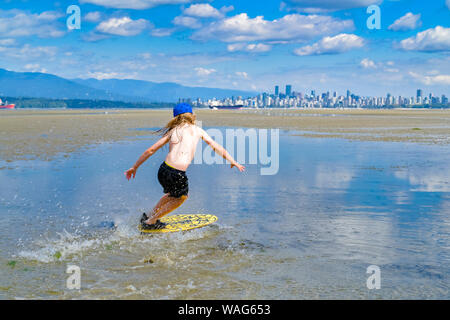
447	2
134	4
202	72
188	22
145	55
17	23
192	14
242	74
94	36
387	66
28	55
293	27
162	32
34	67
226	9
434	39
393	70
94	16
367	64
123	26
331	45
409	21
440	79
7	42
103	75
31	66
252	47
203	10
165	67
29	52
318	6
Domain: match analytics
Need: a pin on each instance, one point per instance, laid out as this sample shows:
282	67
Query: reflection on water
311	231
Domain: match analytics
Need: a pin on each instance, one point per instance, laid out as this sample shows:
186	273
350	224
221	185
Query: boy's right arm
221	150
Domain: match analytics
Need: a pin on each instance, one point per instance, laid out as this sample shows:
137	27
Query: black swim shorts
174	182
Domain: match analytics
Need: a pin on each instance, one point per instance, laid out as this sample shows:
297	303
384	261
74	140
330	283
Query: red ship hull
9	106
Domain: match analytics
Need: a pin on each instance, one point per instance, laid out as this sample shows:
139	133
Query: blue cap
182	108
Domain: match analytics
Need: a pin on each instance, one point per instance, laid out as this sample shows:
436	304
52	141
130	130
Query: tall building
389	100
419	93
277	90
288	90
185	100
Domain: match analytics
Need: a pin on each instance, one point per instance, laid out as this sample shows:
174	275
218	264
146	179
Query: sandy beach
41	134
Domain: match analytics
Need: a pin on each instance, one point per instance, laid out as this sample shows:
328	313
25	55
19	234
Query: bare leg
162	202
166	205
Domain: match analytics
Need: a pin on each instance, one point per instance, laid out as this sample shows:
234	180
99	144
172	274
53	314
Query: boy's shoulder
196	127
200	131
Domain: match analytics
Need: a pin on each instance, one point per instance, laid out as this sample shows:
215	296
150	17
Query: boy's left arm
147	154
221	151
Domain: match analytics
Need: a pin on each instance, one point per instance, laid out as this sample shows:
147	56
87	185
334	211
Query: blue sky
323	45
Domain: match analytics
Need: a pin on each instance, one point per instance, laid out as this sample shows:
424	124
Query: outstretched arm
221	151
147	154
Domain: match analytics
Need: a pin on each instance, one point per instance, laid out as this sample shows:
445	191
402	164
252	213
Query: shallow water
334	208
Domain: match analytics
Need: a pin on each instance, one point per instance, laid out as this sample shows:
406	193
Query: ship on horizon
6	105
229	107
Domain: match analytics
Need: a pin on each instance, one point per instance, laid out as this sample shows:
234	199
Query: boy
183	136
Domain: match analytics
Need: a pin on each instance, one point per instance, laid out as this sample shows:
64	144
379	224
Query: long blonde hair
178	121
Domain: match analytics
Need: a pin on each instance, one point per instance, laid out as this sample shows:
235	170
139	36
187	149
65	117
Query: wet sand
43	134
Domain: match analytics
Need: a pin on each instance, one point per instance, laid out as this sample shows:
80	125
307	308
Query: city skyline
289	89
293	99
245	45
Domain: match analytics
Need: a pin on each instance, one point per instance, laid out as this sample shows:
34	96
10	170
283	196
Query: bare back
182	145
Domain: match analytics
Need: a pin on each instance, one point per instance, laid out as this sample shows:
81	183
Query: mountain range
43	85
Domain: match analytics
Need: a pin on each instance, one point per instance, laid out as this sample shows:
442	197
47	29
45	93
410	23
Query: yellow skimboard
183	222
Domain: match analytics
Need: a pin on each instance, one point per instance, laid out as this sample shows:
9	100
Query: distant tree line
82	104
